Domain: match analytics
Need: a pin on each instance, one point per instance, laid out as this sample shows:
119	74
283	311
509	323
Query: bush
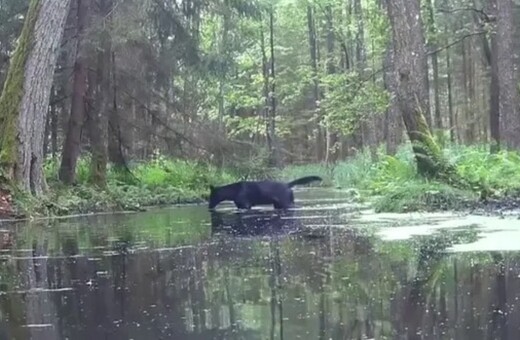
392	180
422	196
398	188
160	181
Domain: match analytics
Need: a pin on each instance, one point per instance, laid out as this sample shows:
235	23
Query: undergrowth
161	181
394	185
390	182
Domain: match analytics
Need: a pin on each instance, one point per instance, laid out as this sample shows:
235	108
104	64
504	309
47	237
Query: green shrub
392	179
421	196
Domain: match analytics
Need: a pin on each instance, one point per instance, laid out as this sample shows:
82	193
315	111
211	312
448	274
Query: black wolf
247	194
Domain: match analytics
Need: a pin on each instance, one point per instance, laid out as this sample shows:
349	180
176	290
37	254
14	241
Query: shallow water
329	269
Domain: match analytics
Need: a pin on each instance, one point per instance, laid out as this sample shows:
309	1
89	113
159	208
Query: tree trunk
315	88
393	120
265	73
450	96
72	142
116	142
435	64
25	98
273	157
223	51
360	34
47	131
412	91
363	131
473	109
99	125
509	120
494	117
332	136
102	96
465	114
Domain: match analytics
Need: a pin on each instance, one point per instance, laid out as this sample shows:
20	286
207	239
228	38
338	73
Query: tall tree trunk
393	120
509	120
72	142
450	96
273	157
412	88
494	90
473	110
360	34
315	88
223	68
47	131
25	97
368	124
54	122
49	126
102	96
464	68
432	30
332	137
361	134
115	142
265	73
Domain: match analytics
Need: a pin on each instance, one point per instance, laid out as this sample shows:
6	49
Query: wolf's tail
304	180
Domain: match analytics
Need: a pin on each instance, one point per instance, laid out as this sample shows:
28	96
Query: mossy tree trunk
411	72
25	96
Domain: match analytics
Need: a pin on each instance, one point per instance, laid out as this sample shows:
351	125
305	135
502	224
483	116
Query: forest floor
388	183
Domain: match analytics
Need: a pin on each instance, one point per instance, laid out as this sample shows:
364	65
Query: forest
124	104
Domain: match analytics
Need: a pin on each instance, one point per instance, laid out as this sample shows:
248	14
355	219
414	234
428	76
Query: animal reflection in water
255	222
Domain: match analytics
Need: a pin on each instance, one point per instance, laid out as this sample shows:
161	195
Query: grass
390	182
394	186
158	182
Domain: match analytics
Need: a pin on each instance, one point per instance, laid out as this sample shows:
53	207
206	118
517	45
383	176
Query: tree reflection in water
253	275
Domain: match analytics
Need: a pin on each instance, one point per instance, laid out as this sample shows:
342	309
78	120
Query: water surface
330	269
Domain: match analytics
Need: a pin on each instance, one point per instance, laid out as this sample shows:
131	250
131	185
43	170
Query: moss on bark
12	93
430	160
432	164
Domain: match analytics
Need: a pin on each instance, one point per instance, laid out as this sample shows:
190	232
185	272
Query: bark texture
103	96
411	69
72	142
25	99
393	121
509	120
494	90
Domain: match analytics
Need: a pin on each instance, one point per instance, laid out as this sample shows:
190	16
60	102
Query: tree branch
483	15
455	42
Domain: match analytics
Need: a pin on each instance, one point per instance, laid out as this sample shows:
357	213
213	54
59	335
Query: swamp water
327	270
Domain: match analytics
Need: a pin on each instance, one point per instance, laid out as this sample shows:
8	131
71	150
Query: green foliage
350	100
500	171
421	196
395	186
158	182
234	81
391	181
